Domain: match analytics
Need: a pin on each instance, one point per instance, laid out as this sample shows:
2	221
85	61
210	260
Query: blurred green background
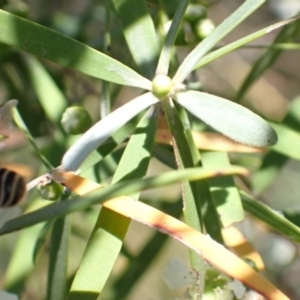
274	181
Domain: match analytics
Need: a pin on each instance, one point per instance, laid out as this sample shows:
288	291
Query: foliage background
270	96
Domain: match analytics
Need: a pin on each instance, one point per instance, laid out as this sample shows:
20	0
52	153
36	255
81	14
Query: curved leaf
139	32
229	118
82	186
213	252
271	217
241	42
102	130
108	233
222	30
49	44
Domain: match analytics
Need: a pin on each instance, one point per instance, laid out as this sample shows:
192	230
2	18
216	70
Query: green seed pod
51	190
203	28
161	85
76	120
195	12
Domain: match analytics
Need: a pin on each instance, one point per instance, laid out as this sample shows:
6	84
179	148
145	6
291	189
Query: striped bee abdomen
12	187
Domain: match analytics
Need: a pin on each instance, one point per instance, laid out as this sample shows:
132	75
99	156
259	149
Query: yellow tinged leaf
235	240
215	253
75	183
210	141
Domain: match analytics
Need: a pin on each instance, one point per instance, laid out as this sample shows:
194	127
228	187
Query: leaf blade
83	186
102	130
46	43
139	32
229	118
224	28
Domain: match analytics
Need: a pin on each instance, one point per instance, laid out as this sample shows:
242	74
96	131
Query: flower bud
161	85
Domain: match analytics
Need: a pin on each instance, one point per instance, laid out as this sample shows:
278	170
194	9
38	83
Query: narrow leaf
272	218
50	96
111	143
229	118
100	195
140	264
191	193
213	252
270	168
235	240
46	43
107	237
102	130
22	126
21	263
165	55
192	201
58	260
273	161
139	32
241	42
287	34
223	190
222	30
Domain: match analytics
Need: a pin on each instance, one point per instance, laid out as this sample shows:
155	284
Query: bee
12	187
12	184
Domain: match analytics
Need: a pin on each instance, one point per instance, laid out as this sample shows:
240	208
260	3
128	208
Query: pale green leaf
102	130
229	118
222	30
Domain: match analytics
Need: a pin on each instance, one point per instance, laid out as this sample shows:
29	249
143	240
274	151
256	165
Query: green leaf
271	218
50	96
288	141
269	170
287	34
107	237
223	190
58	261
21	262
165	55
111	143
118	189
241	42
222	30
209	212
184	160
192	201
229	118
46	43
274	161
139	32
146	256
102	130
22	126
